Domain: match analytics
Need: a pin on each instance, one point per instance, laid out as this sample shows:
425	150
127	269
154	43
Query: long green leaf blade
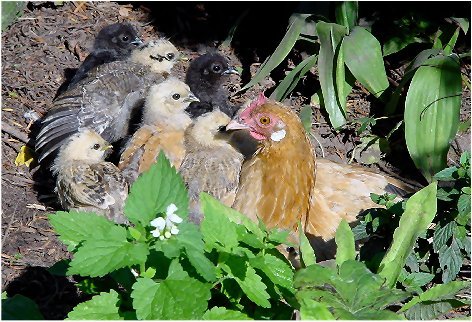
282	50
330	36
363	57
432	110
346	13
419	213
287	85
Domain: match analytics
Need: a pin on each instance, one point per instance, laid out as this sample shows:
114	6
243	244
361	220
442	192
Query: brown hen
283	184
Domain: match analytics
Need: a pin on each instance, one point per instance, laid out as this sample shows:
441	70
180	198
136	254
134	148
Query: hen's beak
137	41
236	125
231	70
191	98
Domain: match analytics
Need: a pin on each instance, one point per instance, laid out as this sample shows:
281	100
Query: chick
113	42
211	164
165	119
85	181
105	100
205	76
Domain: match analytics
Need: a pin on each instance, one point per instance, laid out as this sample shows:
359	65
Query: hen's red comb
261	99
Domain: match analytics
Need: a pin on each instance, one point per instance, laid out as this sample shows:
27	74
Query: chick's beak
236	125
191	98
183	58
137	41
108	147
231	70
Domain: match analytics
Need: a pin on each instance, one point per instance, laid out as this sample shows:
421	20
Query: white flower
174	218
171	209
174	230
159	223
165	226
135	274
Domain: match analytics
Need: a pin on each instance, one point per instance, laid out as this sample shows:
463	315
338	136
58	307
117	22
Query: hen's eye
170	56
216	68
264	120
96	146
125	38
176	96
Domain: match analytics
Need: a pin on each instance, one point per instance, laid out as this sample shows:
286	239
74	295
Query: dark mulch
48	42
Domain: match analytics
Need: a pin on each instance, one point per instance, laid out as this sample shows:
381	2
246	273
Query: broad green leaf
102	256
11	10
307	118
222	313
185	299
154	191
437	293
431	310
449	47
313	310
278	270
419	212
307	252
432	113
379	315
397	43
287	85
346	14
74	227
344	238
450	260
446	174
463	23
218	232
331	36
247	278
418	61
100	307
191	240
19	307
442	235
297	21
363	57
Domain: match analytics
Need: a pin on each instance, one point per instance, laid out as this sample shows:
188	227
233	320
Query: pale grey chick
165	119
211	164
85	182
105	100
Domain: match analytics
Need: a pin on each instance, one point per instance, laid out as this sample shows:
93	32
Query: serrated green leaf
307	253
436	293
450	260
431	310
418	279
100	307
185	299
346	13
222	313
330	36
149	273
278	236
313	310
446	174
344	238
74	227
154	191
247	278
217	230
19	307
297	21
306	117
287	85
176	271
419	212
363	57
432	113
278	270
191	240
99	257
442	235
463	204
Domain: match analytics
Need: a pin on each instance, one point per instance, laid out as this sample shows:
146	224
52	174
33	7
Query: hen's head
120	37
161	55
167	102
268	121
210	68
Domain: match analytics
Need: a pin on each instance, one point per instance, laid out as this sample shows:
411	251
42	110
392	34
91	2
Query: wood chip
36	206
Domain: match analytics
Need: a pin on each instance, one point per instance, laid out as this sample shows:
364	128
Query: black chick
113	42
205	77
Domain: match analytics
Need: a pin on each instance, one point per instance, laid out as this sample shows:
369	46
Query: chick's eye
170	56
216	68
96	146
125	38
176	96
264	120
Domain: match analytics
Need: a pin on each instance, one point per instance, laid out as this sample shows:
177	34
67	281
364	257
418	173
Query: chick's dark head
121	38
208	70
